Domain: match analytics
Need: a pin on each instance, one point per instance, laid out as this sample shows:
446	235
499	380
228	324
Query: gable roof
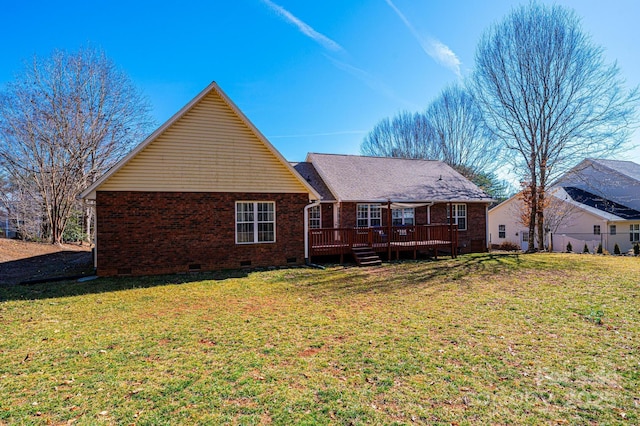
626	168
379	179
207	146
308	172
602	204
613	180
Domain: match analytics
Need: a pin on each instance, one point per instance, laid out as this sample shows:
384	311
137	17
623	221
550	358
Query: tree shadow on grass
69	288
421	273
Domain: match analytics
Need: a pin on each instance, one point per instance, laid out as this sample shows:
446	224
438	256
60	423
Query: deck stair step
365	256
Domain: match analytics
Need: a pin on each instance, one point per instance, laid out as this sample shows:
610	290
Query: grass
483	339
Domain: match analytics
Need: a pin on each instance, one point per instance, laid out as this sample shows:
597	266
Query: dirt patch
23	261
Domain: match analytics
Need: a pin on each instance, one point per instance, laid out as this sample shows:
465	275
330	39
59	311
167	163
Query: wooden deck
341	241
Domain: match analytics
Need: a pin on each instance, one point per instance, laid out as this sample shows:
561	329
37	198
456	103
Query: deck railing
339	241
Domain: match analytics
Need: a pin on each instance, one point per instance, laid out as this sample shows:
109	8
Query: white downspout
306	229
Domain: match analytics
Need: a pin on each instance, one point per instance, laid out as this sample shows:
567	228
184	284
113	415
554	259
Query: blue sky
312	76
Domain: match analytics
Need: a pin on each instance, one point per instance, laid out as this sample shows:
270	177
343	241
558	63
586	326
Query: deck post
389	229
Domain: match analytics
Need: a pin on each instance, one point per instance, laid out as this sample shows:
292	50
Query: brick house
208	191
398	194
205	191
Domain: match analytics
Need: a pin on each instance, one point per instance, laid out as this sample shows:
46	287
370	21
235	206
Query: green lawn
482	339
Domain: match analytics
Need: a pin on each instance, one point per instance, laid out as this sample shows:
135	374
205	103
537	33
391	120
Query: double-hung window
634	233
255	222
502	231
315	218
612	230
459	215
403	217
369	215
596	229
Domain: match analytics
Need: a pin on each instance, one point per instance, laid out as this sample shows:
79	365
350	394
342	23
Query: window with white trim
403	217
634	233
369	215
596	229
459	215
315	217
612	230
502	231
255	222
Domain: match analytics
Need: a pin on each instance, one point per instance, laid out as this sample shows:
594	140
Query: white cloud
304	28
437	50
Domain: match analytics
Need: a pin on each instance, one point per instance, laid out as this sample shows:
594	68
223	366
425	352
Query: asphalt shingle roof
600	203
628	168
308	172
358	178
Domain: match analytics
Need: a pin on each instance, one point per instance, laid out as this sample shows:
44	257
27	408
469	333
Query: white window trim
634	231
597	230
255	222
368	215
319	218
613	230
456	216
502	229
402	217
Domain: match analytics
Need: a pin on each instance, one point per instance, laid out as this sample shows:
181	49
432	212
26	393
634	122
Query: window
596	229
634	233
315	221
612	230
403	217
502	231
255	222
369	215
459	216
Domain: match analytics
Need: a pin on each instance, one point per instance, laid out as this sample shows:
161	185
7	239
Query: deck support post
389	216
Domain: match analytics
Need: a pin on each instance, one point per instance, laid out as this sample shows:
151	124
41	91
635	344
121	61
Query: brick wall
327	214
474	238
143	233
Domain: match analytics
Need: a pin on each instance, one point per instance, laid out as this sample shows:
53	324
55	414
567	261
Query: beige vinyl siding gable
208	149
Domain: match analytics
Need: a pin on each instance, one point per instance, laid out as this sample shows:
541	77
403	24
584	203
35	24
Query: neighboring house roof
602	204
627	168
207	146
379	179
308	172
614	180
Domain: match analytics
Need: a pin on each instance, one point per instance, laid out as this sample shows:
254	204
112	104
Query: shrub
586	248
569	247
509	246
636	249
599	251
616	249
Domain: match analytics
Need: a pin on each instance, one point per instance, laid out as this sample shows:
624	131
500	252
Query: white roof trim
89	193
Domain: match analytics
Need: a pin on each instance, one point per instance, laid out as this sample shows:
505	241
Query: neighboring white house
598	201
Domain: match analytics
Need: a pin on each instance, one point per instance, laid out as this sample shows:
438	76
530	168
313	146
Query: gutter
306	230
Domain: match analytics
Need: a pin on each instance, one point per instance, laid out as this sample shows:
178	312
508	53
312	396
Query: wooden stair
365	256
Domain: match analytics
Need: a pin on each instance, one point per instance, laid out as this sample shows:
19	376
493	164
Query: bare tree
458	132
548	94
451	130
406	136
64	121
